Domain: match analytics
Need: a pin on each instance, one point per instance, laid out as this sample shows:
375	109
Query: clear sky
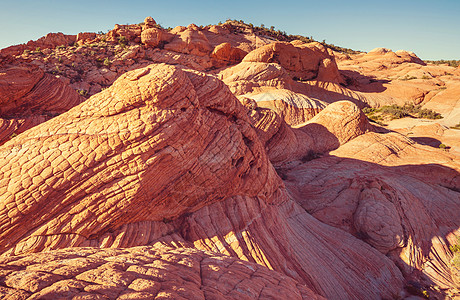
427	27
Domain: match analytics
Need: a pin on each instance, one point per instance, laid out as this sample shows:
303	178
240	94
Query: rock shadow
427	141
426	199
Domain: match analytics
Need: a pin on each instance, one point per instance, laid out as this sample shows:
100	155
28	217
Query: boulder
83	36
302	61
153	37
190	41
149	22
226	54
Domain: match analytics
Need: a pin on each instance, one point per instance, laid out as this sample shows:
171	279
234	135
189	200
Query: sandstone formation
337	124
156	272
294	108
29	97
50	41
125	33
190	41
302	61
224	161
381	195
225	54
119	193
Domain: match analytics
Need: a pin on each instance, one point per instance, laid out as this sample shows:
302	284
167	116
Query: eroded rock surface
155	272
119	142
376	188
120	175
288	178
29	97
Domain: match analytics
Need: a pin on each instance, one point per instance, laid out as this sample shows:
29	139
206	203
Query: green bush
452	63
122	41
407	77
83	93
456	247
397	112
240	26
428	114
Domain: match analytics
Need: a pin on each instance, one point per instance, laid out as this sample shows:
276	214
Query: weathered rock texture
119	175
190	41
294	108
302	61
157	272
118	143
375	188
29	97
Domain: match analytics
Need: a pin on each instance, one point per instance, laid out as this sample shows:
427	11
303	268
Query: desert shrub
158	26
397	112
369	110
428	114
452	63
107	62
83	93
442	146
456	247
122	41
240	26
407	77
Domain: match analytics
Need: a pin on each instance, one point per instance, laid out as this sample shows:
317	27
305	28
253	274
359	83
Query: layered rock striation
170	155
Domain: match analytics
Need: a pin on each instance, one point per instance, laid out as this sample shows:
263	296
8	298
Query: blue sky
429	28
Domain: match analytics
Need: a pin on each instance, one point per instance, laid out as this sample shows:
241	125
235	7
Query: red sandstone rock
152	37
170	156
396	195
118	156
29	97
155	83
143	273
302	61
149	22
226	54
125	32
83	36
190	41
294	108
